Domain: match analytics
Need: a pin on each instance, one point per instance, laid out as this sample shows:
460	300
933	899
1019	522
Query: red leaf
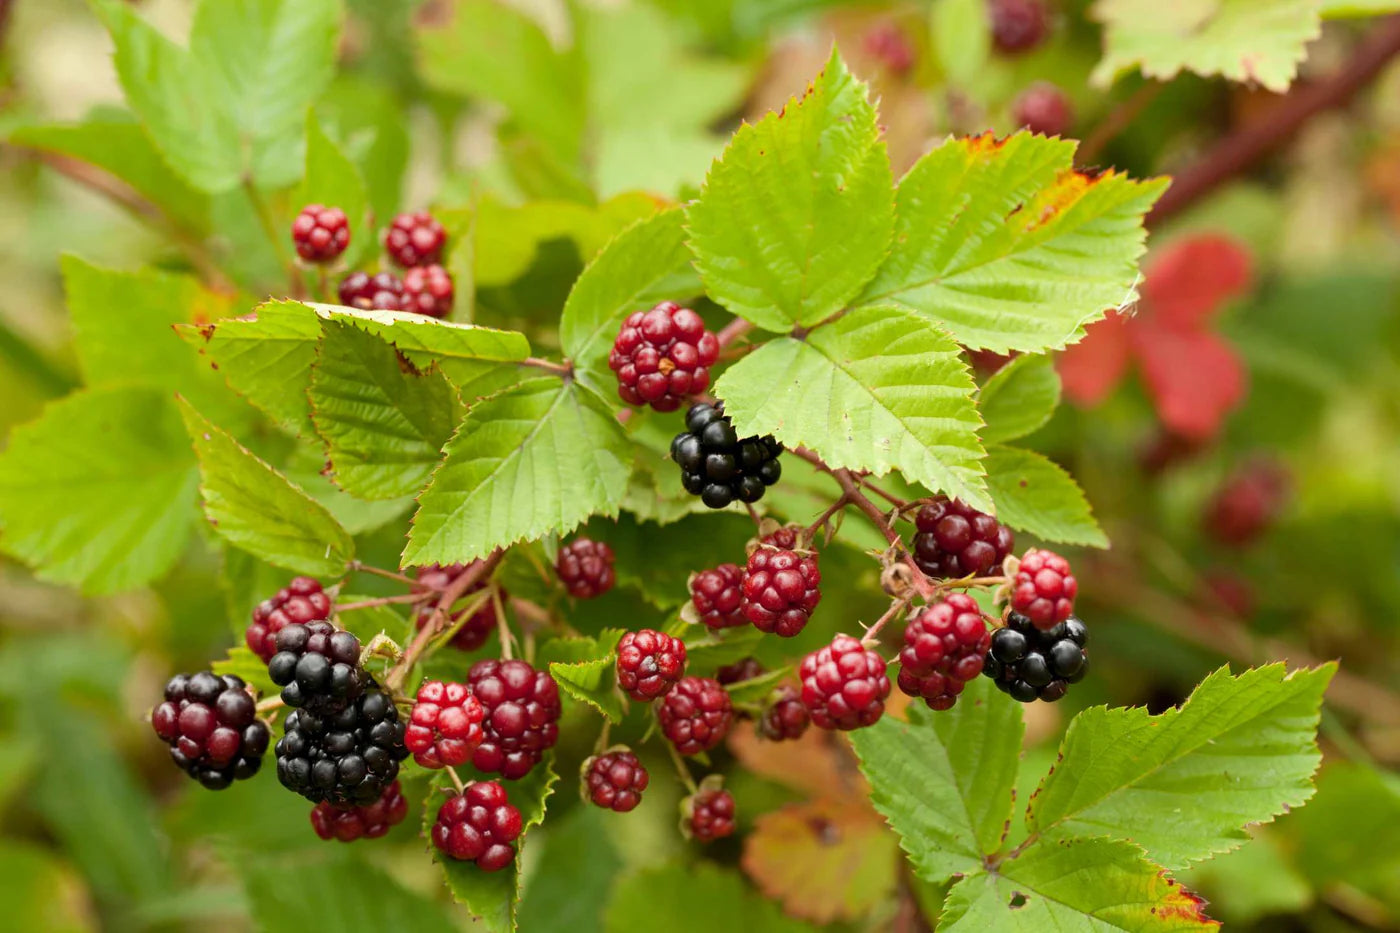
1194	378
1090	369
1188	281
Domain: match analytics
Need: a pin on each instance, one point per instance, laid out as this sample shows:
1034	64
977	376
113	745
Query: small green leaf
332	180
1341	9
1019	398
700	899
591	682
707	651
1034	494
944	780
877	389
575	648
255	508
539	458
755	689
1183	784
962	37
796	215
565	891
1005	245
384	422
98	490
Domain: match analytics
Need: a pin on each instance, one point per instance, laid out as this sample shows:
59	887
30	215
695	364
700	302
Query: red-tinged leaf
1195	378
1093	367
1188	281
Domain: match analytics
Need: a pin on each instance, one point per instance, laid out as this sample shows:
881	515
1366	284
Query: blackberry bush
717	465
211	725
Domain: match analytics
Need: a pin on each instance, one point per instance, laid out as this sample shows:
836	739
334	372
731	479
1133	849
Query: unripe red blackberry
367	822
320	233
695	715
1044	109
781	588
955	540
522	716
415	240
1028	663
382	291
718	596
1018	25
211	724
709	814
428	290
787	538
585	567
663	356
348	756
476	630
1246	504
1044	588
720	467
302	600
887	44
479	825
649	663
739	671
615	780
445	725
943	650
784	717
317	666
844	685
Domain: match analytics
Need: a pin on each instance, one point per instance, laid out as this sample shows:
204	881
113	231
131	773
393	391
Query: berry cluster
347	757
317	666
522	712
695	715
718	596
844	685
365	822
943	649
781	588
1029	663
585	567
649	663
709	814
444	727
479	825
615	780
955	540
1044	588
784	717
320	233
211	725
719	467
301	600
663	356
413	241
477	629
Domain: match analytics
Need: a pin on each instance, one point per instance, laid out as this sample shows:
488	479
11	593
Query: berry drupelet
615	780
210	723
718	596
476	630
428	290
844	685
585	567
415	239
317	666
522	716
347	757
320	233
382	291
695	715
300	601
1029	663
662	357
709	814
649	663
943	650
717	465
479	825
365	822
955	540
444	727
1043	589
781	589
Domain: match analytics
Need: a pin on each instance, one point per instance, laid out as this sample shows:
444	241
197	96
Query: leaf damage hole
1018	900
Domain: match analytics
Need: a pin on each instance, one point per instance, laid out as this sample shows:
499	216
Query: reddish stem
476	573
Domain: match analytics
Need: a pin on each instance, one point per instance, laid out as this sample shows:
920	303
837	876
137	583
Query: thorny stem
826	516
872	634
733	331
384	601
563	370
441	612
386	574
456	779
898	503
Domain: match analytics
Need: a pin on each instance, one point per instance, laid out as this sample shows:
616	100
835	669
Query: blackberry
649	663
1030	663
844	685
382	291
1018	25
585	567
301	600
1247	504
479	825
784	717
317	666
346	757
366	822
718	596
522	716
739	671
428	290
781	588
415	239
787	538
211	724
1043	589
943	650
695	715
717	465
445	726
1044	109
663	356
887	44
320	233
476	630
615	780
955	540
709	814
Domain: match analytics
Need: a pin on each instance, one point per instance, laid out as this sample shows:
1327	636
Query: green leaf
333	180
1349	834
493	896
646	263
707	651
98	490
1019	398
699	899
566	888
384	421
878	389
539	458
42	893
333	890
962	37
1079	884
1034	494
255	508
755	689
1183	784
241	662
1249	41
944	780
797	214
1006	246
592	682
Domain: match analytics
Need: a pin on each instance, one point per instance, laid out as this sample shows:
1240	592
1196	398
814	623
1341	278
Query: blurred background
1239	438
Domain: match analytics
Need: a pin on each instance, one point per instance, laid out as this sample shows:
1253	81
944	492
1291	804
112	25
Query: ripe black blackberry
615	780
649	663
415	239
1028	663
317	666
522	716
844	685
476	630
347	757
320	233
479	825
428	290
302	600
718	596
368	822
955	540
382	291
695	715
210	723
717	465
663	357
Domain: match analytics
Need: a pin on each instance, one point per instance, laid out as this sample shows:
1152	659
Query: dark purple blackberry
210	723
522	716
955	540
784	717
347	757
717	465
1030	664
317	666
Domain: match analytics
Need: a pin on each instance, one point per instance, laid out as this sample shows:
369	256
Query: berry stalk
425	635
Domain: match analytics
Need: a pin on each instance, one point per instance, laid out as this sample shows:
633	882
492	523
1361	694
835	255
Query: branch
733	331
441	612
